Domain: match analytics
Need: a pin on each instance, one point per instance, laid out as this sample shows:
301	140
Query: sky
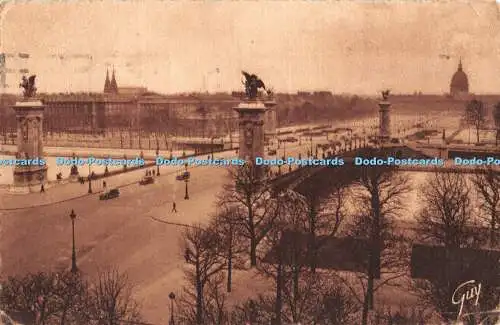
177	46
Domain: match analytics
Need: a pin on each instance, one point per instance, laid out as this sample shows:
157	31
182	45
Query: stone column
29	116
270	119
251	129
384	121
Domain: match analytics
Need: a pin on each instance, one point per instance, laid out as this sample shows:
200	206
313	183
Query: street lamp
74	269
90	181
212	146
186	179
311	140
157	155
171	296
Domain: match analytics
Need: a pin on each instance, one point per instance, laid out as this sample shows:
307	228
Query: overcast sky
173	46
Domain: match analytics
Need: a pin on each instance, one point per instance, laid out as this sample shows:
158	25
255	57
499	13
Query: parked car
183	176
146	180
271	152
111	194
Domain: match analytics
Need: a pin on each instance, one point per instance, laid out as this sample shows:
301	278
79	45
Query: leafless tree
448	219
487	186
46	298
324	202
33	296
259	310
227	227
475	114
110	300
71	294
300	294
380	194
251	192
447	216
288	258
202	252
317	300
215	310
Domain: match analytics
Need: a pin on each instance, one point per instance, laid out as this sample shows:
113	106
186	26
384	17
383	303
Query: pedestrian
42	189
104	184
174	207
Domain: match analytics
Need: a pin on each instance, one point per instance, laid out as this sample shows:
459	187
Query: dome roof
459	81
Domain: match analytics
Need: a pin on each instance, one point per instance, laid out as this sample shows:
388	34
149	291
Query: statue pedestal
29	171
251	129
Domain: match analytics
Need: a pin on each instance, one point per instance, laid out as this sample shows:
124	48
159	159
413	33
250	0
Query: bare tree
227	227
202	251
324	202
259	310
215	309
380	194
250	191
487	186
300	294
447	215
71	293
32	296
447	219
475	114
287	256
110	300
317	300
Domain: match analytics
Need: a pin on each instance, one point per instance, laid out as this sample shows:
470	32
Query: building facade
459	85
136	108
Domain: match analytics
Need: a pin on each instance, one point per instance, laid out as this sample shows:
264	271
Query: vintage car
146	180
271	152
111	194
183	176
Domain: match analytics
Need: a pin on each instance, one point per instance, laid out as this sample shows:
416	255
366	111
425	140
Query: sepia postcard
249	162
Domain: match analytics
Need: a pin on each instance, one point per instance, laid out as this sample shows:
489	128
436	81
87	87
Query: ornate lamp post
157	155
311	141
186	180
74	269
171	296
212	146
90	181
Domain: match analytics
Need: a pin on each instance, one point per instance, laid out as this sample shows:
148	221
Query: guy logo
460	295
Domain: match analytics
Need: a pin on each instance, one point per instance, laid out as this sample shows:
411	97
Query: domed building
459	85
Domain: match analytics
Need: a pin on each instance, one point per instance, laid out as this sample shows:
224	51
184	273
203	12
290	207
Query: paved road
116	232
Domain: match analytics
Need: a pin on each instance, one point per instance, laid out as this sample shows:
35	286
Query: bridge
308	176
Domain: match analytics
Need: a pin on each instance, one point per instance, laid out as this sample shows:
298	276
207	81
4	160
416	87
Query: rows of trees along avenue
334	251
